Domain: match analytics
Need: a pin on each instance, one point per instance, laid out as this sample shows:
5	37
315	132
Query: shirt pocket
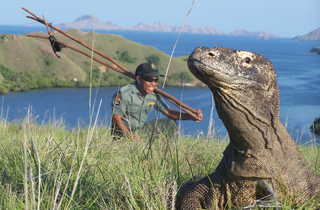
134	110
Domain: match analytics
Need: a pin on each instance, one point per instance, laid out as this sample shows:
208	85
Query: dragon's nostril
211	54
247	60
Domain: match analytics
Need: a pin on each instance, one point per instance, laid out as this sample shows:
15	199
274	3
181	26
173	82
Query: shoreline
187	85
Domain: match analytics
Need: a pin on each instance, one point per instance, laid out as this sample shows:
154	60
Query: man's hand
118	122
136	138
199	115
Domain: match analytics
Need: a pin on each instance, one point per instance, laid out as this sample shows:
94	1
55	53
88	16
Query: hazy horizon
286	18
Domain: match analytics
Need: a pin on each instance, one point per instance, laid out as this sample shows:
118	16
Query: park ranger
133	102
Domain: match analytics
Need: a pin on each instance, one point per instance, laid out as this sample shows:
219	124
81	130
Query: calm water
298	78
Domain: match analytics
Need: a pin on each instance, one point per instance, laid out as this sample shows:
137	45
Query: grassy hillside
48	167
27	63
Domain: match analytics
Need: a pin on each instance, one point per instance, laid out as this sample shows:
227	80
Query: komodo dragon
261	160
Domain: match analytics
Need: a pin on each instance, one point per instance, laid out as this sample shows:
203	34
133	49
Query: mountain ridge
311	36
89	22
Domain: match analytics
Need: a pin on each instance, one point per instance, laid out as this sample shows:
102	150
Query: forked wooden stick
115	66
65	45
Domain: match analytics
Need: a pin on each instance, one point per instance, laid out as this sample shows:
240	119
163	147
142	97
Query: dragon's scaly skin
261	160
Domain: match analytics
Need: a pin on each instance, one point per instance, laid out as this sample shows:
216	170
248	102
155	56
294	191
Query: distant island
315	50
89	22
311	36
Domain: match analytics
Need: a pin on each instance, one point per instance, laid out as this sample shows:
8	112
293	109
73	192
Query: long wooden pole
111	66
117	67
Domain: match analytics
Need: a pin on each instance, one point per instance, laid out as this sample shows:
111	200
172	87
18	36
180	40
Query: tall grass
49	167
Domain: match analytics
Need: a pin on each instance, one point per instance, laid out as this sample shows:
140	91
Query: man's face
148	84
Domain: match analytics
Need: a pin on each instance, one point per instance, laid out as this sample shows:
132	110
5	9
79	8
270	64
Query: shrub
3	89
125	57
155	59
7	73
98	79
181	76
315	127
48	62
20	81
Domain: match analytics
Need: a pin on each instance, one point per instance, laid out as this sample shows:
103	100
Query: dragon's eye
247	60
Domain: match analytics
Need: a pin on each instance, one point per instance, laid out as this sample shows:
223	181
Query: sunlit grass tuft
44	167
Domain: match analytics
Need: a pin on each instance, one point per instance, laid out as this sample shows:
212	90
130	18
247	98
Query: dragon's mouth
217	74
209	75
197	69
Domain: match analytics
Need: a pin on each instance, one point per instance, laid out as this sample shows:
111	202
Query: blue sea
298	73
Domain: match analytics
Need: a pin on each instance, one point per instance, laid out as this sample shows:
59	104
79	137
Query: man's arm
118	108
118	122
176	115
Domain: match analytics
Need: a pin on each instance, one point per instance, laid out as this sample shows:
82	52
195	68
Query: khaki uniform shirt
133	107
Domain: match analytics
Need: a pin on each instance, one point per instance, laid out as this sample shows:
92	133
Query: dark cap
145	70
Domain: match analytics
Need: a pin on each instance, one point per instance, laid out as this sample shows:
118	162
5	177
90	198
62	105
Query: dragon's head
243	83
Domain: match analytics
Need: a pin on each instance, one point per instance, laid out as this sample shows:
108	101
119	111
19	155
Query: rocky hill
315	50
27	63
89	22
262	35
311	36
158	27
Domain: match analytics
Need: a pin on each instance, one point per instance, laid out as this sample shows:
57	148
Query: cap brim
153	74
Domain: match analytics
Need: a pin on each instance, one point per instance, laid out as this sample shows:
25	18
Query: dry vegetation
49	167
29	63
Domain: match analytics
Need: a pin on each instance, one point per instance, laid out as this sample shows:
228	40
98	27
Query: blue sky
286	18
